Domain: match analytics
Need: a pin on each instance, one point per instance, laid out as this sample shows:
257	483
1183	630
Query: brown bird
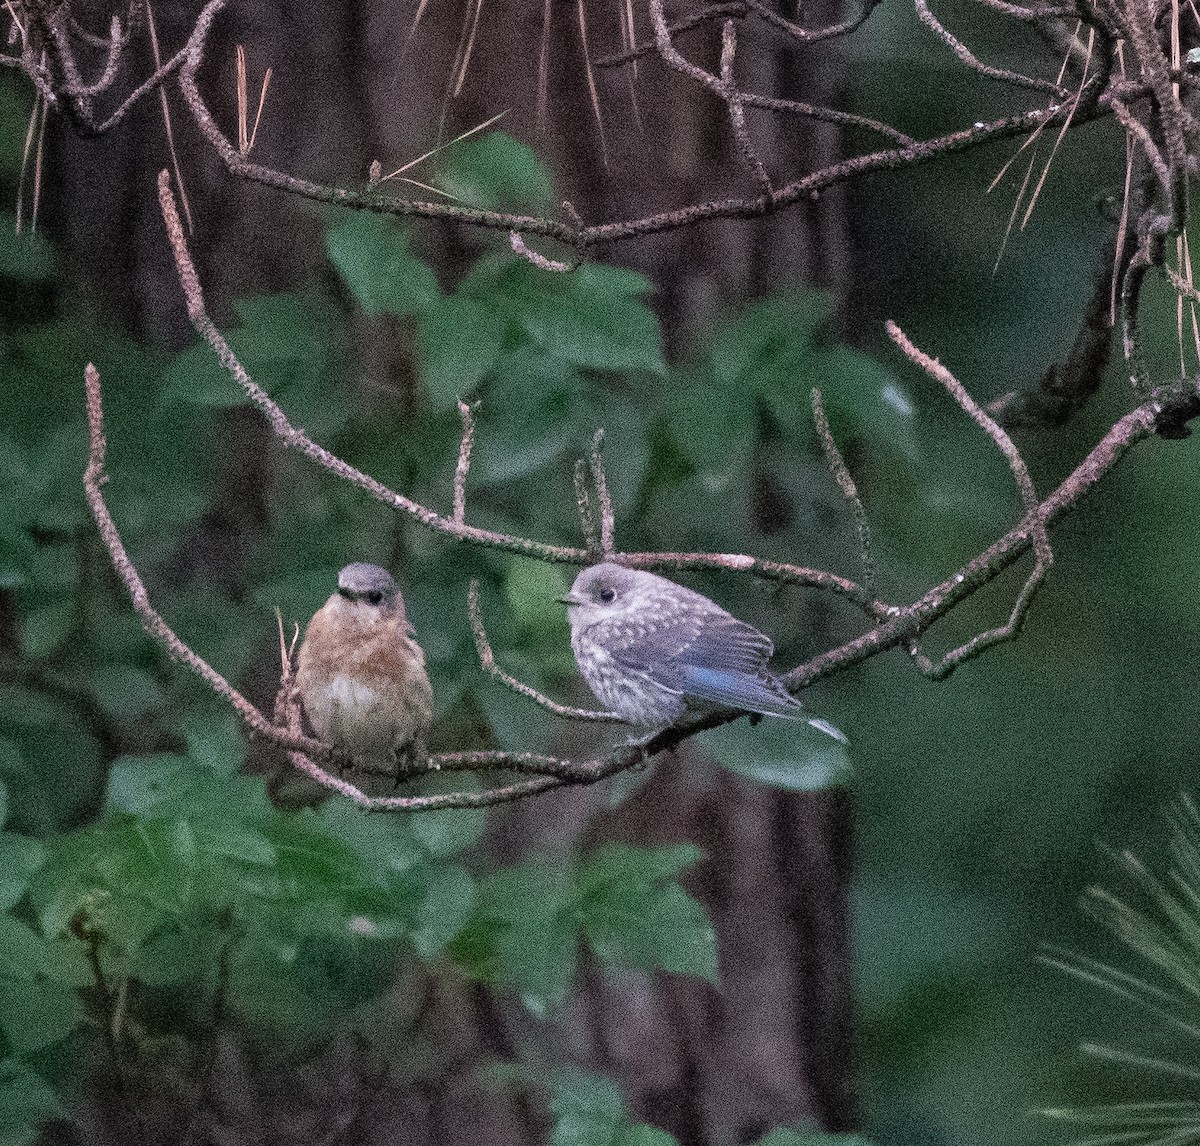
361	673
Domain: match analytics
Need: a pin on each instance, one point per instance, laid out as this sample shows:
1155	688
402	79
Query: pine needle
442	147
591	79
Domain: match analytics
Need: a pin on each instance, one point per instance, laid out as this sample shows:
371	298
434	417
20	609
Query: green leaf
20	857
589	1110
25	954
527	422
35	1015
523	933
863	398
138	784
532	589
788	754
47	627
125	691
21	949
214	739
172	957
373	256
781	1136
28	257
497	172
385	844
633	913
26	1100
614	865
281	339
642	1135
195	375
235	841
444	910
12	763
448	832
714	426
591	317
460	340
768	343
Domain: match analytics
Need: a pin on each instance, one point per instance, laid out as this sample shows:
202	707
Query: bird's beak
570	599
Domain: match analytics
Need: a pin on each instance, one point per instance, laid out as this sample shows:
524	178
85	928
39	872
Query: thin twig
295	438
841	474
926	16
94	478
166	114
539	260
737	114
487	661
81	92
711	14
587	517
827	115
804	189
1155	68
603	500
151	82
464	462
812	35
1043	555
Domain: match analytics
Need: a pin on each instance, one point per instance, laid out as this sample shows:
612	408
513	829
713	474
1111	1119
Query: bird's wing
711	656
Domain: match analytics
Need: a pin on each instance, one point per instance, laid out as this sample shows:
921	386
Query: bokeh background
976	810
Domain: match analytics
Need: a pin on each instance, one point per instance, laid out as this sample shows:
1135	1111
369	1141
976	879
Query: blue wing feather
740	690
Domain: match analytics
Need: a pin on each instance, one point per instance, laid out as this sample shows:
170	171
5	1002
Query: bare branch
811	35
582	238
603	501
464	463
165	107
153	81
539	260
737	116
1141	133
1170	405
1043	555
1031	14
94	479
984	421
295	438
520	790
827	115
841	474
1155	69
926	16
583	501
709	15
487	661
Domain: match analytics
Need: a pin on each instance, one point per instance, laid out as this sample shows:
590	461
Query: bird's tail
829	729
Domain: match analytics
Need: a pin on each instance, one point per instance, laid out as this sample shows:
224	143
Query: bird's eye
608	595
374	597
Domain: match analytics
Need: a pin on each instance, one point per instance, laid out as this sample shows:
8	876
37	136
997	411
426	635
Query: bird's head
607	590
367	592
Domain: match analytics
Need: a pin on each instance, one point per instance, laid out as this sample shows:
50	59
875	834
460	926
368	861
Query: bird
649	649
361	674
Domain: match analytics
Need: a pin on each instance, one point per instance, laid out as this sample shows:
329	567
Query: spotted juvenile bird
361	673
649	648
